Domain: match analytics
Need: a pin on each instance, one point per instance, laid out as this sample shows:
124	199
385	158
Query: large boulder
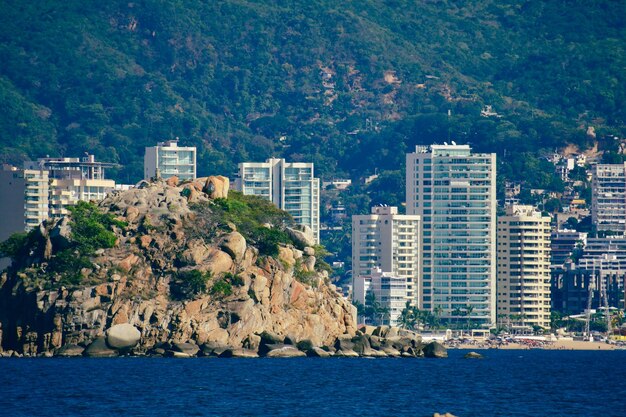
284	351
190	349
234	244
123	336
99	349
316	352
61	234
70	351
361	344
435	350
302	236
344	342
217	187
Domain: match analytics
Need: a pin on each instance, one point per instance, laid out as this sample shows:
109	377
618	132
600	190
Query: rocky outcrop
126	303
136	297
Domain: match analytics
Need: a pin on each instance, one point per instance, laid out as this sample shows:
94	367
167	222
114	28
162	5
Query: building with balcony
387	241
71	180
523	289
167	159
608	197
291	186
389	290
454	192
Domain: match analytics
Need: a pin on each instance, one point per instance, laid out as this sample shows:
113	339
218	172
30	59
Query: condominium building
72	180
390	242
23	199
45	188
523	290
389	290
563	246
167	159
608	197
454	192
291	186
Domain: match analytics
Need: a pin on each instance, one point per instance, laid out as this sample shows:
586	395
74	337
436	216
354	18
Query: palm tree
404	321
438	310
457	313
468	312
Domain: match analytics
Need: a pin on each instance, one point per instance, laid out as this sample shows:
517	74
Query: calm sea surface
506	383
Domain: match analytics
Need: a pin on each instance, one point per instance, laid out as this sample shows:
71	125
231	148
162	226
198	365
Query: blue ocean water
505	383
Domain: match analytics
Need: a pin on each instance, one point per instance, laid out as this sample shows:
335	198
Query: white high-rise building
170	160
291	186
390	242
454	192
524	266
608	197
388	289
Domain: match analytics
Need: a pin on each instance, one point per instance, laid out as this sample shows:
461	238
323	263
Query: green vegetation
221	288
251	214
188	284
14	246
92	229
348	85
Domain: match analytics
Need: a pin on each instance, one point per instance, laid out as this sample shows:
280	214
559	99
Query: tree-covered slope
349	85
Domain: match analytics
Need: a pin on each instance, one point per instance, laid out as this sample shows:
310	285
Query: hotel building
523	290
390	242
291	186
167	159
454	193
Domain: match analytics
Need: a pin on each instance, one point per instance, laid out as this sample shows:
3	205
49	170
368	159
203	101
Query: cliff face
179	271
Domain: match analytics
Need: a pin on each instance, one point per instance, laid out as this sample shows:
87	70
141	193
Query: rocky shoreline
369	342
189	270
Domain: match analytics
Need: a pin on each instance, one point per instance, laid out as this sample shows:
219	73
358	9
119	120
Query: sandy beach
557	345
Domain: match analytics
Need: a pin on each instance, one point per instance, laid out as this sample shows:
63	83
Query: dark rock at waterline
473	355
435	350
99	349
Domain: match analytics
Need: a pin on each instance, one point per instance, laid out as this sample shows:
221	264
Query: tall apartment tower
524	266
608	197
170	160
390	242
454	193
291	186
23	199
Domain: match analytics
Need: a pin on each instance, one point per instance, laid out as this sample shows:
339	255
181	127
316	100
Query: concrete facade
170	160
524	266
390	291
390	242
454	192
608	197
291	186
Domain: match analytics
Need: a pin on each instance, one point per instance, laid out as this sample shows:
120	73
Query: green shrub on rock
188	284
221	288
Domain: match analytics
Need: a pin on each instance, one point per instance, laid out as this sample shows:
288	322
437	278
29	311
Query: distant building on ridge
167	159
291	186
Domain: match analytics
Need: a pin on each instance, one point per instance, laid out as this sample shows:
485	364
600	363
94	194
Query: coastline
557	345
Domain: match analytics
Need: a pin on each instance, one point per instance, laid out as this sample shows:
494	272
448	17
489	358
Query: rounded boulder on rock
123	336
234	244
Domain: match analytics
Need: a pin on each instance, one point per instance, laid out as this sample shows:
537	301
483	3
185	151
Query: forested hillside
350	85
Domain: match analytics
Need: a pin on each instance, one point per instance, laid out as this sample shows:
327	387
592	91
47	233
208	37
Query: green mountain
350	85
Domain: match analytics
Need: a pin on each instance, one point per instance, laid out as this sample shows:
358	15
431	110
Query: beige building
524	267
390	242
72	180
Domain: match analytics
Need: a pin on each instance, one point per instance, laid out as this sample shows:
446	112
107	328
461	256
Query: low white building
389	290
169	159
